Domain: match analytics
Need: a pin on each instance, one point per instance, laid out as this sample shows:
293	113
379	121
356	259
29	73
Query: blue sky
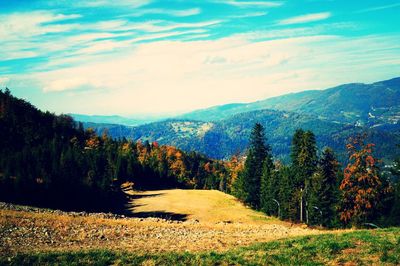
135	57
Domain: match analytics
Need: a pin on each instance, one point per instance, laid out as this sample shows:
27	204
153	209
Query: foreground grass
354	248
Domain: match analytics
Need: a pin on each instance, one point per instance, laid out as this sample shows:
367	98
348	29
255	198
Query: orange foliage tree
361	186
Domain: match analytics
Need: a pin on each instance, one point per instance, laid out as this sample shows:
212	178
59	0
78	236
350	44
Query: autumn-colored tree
235	166
361	186
92	140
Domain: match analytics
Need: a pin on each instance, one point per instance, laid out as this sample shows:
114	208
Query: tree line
314	188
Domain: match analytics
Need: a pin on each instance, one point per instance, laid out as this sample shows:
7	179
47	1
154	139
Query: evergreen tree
253	167
297	142
285	194
322	205
395	210
304	163
269	186
394	215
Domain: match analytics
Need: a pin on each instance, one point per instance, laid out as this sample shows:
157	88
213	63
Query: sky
166	57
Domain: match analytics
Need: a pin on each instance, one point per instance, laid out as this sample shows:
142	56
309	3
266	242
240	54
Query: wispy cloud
250	15
162	25
285	65
17	26
72	34
305	18
107	3
164	11
203	51
377	8
323	29
252	3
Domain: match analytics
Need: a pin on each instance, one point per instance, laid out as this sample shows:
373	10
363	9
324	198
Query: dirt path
25	229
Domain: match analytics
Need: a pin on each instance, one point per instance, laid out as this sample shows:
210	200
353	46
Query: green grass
359	247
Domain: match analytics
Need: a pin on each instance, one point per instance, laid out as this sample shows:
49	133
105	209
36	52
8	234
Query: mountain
365	104
333	115
116	119
221	139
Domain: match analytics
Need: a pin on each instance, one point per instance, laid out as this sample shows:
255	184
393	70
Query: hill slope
223	138
26	229
378	247
368	104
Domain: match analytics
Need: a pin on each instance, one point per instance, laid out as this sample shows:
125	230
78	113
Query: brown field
195	221
204	206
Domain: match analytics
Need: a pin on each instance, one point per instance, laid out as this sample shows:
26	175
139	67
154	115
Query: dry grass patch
205	206
206	220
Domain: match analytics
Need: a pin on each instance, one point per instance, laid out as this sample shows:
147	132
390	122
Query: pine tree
285	194
269	186
296	147
395	210
308	156
394	216
324	191
253	167
304	163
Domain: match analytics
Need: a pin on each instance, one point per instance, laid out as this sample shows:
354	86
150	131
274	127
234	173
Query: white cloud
73	83
163	11
21	31
249	15
162	25
377	8
305	18
167	34
252	3
119	3
19	26
175	76
184	13
86	37
103	46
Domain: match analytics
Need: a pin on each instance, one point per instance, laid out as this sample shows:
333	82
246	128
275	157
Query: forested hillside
334	115
52	161
227	137
366	104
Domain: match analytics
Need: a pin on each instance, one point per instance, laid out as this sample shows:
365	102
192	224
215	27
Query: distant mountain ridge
117	119
333	115
350	103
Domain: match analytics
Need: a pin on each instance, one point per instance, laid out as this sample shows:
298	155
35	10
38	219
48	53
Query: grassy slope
354	248
206	206
222	224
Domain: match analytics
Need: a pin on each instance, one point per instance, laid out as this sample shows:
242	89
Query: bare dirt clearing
199	221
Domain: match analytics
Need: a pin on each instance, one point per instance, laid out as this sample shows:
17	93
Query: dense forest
52	161
316	189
